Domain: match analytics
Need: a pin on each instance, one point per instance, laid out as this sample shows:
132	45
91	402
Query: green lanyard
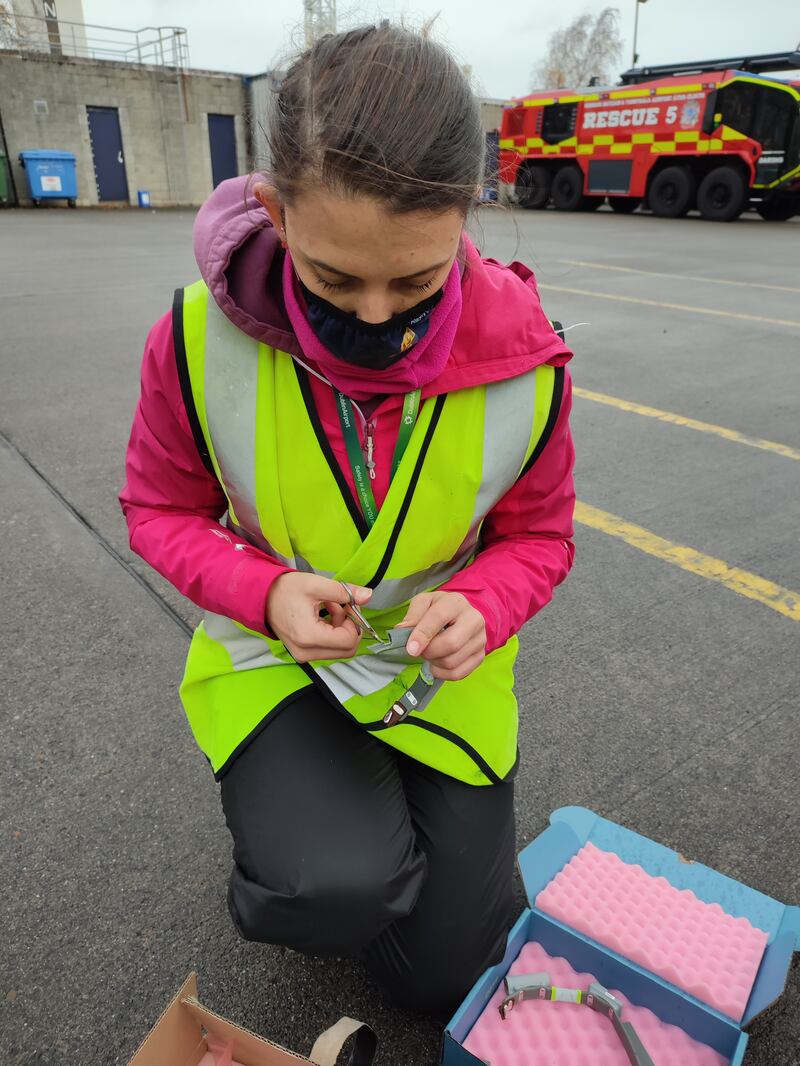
361	475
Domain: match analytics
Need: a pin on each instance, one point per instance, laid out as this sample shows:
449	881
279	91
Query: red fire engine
703	136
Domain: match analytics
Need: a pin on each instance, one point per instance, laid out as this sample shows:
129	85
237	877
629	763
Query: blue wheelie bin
51	175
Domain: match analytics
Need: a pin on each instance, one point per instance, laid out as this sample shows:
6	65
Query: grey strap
328	1045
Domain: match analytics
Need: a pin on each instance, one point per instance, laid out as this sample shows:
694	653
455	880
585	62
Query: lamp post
636	30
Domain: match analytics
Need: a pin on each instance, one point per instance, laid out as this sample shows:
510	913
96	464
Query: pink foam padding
694	945
537	1033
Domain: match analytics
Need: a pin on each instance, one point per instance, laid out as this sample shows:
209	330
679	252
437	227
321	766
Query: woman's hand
293	613
448	632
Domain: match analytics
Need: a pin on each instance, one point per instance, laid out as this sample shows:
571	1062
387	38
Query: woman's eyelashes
339	286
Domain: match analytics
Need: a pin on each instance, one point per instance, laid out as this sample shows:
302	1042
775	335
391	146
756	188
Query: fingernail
412	647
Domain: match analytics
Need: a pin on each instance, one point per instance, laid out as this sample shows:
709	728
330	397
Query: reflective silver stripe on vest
246	651
360	676
231	394
258	540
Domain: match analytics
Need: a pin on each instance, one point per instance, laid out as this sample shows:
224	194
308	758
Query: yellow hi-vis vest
257	428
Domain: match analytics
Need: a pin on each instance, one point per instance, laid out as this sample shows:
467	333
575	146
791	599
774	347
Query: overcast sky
501	39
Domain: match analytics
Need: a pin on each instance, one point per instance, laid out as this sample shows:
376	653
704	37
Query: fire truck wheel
722	195
567	191
671	192
533	187
624	205
778	210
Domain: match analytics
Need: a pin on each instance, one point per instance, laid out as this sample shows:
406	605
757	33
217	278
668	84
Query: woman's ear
267	196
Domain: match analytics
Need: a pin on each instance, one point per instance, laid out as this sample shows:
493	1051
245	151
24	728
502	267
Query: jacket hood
503	330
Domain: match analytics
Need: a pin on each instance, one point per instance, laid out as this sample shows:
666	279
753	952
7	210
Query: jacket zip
370	443
368	447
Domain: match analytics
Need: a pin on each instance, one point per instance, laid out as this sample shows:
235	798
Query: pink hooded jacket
172	504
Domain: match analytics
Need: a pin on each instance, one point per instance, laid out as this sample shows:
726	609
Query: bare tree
8	29
587	48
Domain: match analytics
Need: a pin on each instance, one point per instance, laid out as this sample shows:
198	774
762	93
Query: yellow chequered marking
628	94
732	435
602	138
623	148
662	146
534	142
539	103
570	142
687	135
780	599
585	149
643	138
668	90
715	144
551	149
506	142
732	135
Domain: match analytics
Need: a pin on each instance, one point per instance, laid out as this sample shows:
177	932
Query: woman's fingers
325	641
336	613
473	647
460	672
454	638
325	588
431	621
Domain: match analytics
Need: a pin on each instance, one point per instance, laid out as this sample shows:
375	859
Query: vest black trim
454	738
555	407
308	398
262	725
185	381
387	555
432	727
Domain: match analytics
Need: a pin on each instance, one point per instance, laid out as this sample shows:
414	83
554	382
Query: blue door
109	162
222	141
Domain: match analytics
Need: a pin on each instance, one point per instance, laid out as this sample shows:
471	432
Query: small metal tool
596	997
354	611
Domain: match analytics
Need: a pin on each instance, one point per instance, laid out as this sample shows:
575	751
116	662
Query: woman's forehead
361	237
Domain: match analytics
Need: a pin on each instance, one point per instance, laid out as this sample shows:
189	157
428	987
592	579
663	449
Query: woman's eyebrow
351	277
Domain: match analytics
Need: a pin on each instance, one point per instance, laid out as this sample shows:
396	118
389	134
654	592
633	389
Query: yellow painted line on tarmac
688	423
673	307
782	600
679	277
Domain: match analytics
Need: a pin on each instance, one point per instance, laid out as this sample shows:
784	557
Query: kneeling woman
352	451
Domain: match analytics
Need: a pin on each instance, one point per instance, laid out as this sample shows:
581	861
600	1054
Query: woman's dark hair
379	111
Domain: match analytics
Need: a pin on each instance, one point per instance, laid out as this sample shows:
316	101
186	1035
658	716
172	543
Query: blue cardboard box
572	827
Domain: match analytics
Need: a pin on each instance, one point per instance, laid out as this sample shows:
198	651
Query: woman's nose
376	308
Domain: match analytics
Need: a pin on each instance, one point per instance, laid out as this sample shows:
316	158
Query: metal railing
163	46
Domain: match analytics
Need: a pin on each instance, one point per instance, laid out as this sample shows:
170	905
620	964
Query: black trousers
342	846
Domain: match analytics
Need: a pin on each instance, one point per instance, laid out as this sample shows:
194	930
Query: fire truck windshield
767	115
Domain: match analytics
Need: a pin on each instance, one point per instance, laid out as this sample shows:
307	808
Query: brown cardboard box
179	1038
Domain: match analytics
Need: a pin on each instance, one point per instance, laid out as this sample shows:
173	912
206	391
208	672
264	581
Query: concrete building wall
491	114
261	96
163	118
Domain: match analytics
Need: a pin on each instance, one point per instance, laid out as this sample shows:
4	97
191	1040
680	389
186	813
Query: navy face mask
377	345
